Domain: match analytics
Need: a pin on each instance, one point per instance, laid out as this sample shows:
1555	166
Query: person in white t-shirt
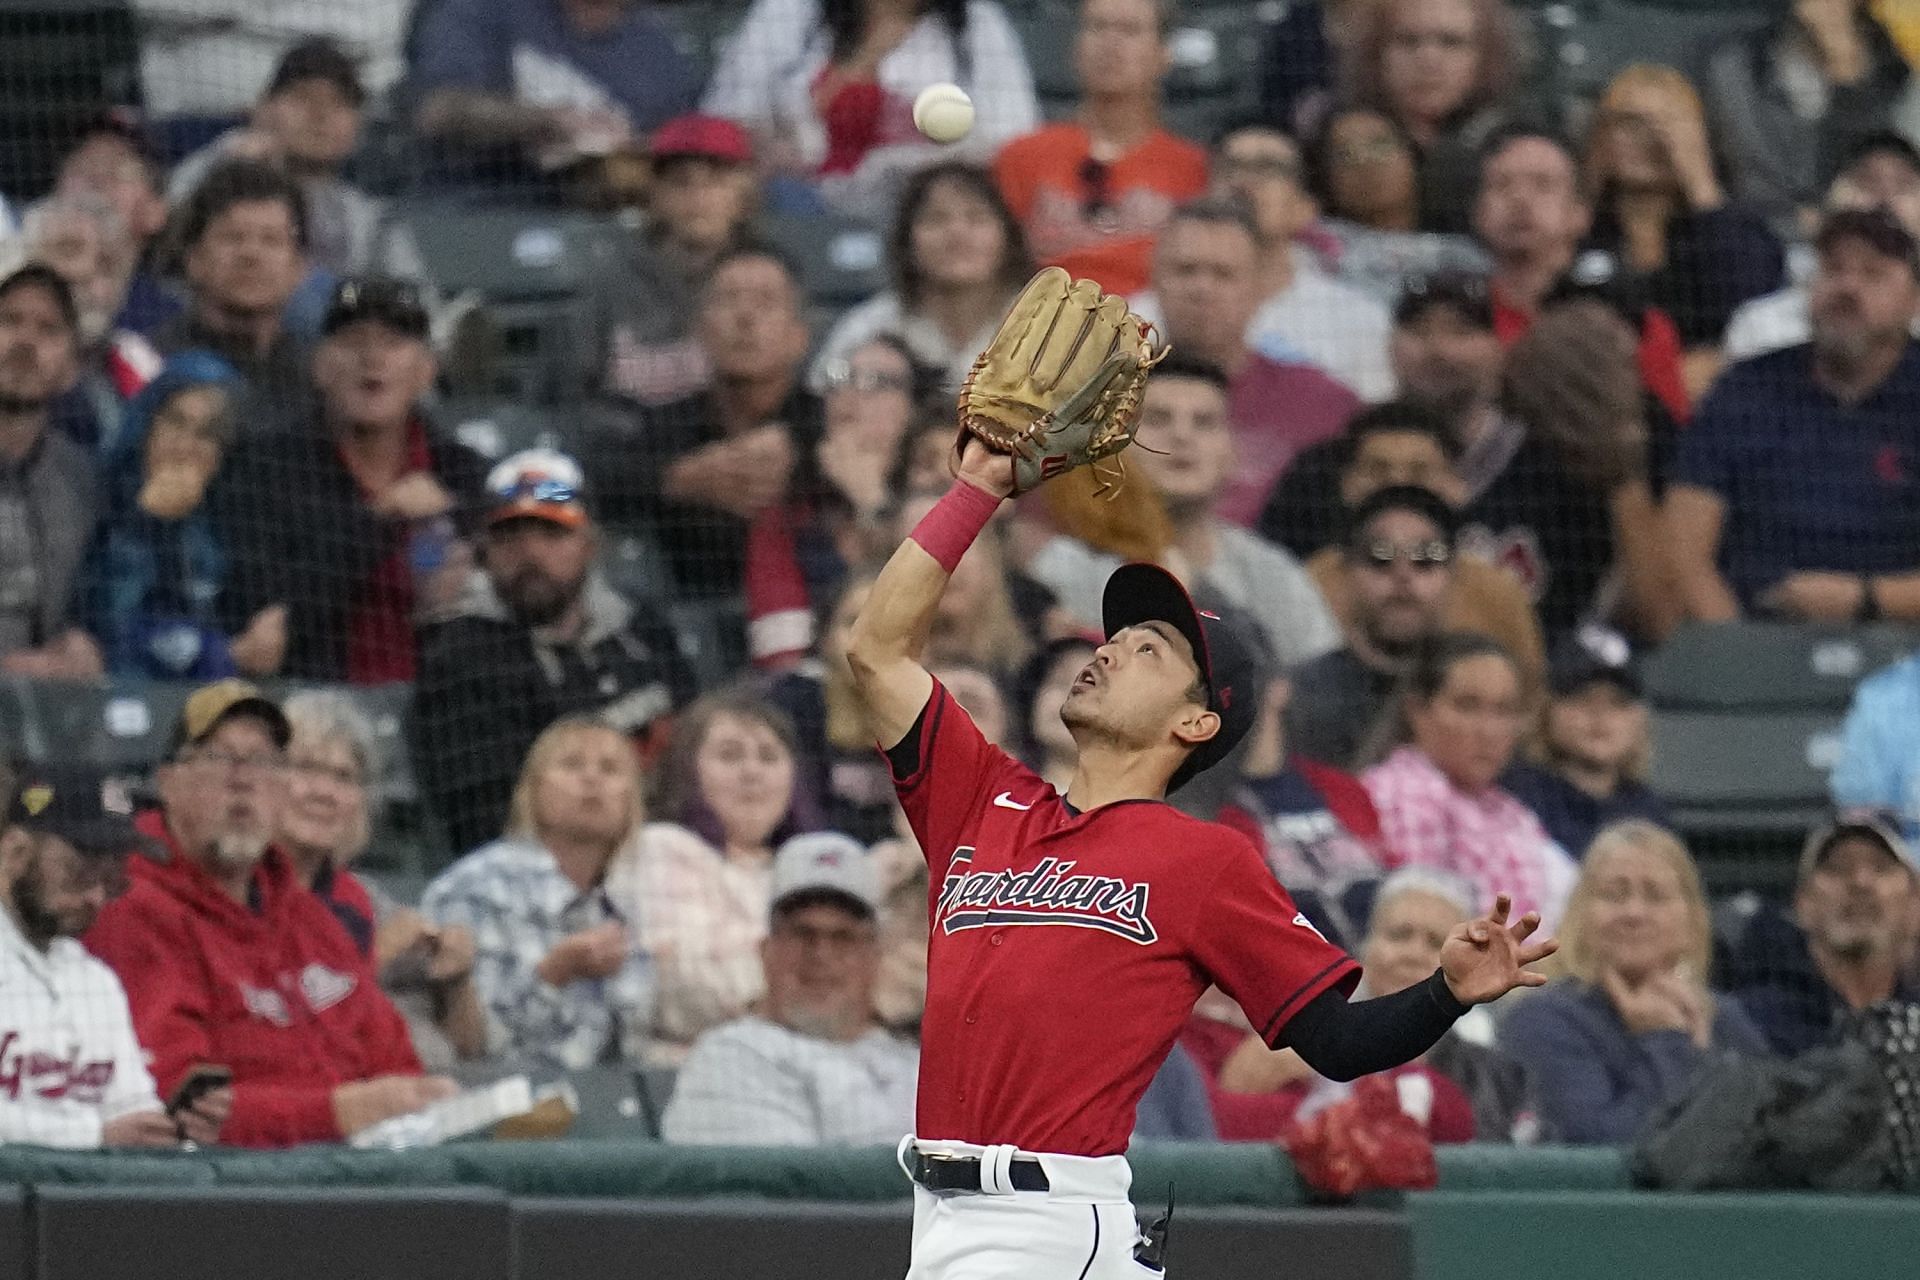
71	1072
811	1067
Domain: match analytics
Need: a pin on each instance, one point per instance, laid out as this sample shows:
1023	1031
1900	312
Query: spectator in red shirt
1206	273
1531	215
228	959
342	533
1093	191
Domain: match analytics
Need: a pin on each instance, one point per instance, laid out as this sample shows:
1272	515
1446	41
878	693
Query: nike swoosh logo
1006	801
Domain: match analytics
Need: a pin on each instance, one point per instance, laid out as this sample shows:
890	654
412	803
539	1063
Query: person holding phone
72	1073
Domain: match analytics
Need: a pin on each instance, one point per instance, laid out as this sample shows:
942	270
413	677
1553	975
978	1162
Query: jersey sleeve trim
926	729
1343	973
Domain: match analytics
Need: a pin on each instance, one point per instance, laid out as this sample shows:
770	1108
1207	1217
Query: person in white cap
812	1067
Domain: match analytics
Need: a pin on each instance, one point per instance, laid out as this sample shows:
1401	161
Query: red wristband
956	520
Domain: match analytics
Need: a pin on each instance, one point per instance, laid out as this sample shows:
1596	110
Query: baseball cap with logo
1876	825
826	864
539	484
1139	593
1593	655
213	705
381	299
88	809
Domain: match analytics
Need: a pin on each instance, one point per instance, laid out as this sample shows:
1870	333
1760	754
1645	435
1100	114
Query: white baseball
943	112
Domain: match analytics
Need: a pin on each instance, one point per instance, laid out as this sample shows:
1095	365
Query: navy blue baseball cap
1138	593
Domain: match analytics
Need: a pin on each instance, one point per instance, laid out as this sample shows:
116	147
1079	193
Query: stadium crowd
1476	396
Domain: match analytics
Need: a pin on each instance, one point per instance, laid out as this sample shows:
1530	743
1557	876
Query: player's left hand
1486	958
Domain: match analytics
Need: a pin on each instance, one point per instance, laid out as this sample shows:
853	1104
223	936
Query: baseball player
1071	934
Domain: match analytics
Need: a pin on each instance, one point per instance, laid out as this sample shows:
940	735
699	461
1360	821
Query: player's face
1138	687
1600	726
746	777
586	791
1404	940
1183	423
58	891
1636	912
1858	902
822	961
1471	725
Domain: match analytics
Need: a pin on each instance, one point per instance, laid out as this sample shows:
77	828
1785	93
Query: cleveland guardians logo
1049	893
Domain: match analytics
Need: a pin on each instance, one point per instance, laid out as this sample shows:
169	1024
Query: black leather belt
962	1173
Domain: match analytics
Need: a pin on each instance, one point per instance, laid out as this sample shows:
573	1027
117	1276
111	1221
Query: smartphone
199	1082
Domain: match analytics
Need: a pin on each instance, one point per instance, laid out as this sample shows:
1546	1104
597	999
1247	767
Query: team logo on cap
36	798
1048	894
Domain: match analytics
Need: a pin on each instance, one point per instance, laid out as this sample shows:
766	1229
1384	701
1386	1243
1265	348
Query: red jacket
277	992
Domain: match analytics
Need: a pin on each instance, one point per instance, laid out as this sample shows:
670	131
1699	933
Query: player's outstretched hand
984	468
1486	958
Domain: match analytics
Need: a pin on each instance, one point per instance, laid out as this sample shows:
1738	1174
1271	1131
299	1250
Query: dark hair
1522	131
679	789
924	379
1016	261
846	21
1430	661
757	249
1877	143
1216	211
123	126
36	275
1192	368
318	58
1404	417
1026	687
238	182
1316	157
1424	503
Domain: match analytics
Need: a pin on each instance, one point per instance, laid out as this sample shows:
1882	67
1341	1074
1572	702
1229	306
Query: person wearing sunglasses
347	529
540	635
1399	564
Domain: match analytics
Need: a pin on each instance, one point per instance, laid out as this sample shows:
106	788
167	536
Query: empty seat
841	260
1756	771
494	427
1583	44
611	1105
713	638
1778	665
121	726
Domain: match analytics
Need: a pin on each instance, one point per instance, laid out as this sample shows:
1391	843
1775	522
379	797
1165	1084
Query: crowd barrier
531	1211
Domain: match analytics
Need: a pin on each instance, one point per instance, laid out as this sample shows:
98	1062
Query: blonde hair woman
557	967
1632	1022
1660	211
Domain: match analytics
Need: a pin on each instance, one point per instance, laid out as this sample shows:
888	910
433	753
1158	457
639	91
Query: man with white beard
229	960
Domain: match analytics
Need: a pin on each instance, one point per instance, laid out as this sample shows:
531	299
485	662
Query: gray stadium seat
1761	771
1770	665
19	734
1582	44
712	635
841	261
611	1105
119	726
655	1091
494	427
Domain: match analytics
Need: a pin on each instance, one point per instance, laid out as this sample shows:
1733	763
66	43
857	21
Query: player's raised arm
884	650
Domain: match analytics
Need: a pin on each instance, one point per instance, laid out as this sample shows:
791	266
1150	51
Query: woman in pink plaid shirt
1462	709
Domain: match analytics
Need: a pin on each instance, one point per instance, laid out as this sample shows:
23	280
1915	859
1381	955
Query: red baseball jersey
1068	948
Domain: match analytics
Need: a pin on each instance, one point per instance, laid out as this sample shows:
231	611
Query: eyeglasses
537	489
1381	554
839	375
228	762
340	775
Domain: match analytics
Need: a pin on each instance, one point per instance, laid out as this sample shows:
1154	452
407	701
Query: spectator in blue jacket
1591	752
1633	1022
158	566
1879	765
